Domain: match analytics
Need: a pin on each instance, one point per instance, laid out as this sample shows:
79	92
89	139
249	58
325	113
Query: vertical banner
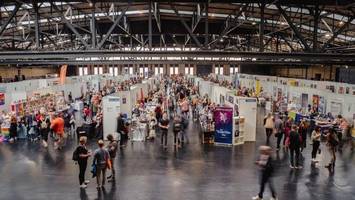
223	117
63	74
257	87
315	102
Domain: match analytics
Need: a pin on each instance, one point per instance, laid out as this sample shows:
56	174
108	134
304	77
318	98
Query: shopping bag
93	170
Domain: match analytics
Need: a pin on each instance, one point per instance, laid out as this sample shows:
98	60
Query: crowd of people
176	100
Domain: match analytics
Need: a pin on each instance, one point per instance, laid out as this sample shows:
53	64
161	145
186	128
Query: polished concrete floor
147	172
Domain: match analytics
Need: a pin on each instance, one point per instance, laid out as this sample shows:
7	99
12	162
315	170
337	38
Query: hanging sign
223	117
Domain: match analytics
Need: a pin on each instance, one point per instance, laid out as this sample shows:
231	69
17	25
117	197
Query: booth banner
2	98
223	125
257	87
63	74
2	95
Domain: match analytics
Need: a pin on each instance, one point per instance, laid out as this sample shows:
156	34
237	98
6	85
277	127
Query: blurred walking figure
265	163
269	126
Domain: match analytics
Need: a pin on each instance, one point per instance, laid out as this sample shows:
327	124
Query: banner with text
223	117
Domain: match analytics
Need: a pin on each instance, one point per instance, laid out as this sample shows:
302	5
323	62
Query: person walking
43	130
81	155
279	129
294	146
57	126
265	163
332	143
101	159
269	125
13	129
316	136
302	130
164	126
177	128
112	150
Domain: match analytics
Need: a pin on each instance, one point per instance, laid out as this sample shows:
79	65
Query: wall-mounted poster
2	95
223	117
322	105
304	100
315	102
2	99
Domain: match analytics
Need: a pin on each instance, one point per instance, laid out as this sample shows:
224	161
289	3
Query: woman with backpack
81	155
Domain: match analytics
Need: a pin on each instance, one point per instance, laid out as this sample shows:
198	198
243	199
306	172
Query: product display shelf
238	137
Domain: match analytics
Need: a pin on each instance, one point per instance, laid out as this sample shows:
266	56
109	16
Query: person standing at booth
121	129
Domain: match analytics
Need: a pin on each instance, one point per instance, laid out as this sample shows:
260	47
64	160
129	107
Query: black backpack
76	154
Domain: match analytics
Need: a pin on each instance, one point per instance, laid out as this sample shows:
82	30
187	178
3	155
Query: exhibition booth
233	121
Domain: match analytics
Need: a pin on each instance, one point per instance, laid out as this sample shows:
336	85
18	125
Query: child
265	163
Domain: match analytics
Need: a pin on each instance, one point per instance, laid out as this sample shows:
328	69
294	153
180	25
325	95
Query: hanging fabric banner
63	74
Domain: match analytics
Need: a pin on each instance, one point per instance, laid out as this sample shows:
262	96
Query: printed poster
223	125
2	99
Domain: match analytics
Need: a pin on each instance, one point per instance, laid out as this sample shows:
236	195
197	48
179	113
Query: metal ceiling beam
206	24
37	31
113	27
336	33
127	61
150	38
186	26
93	27
262	27
316	16
229	28
70	26
287	42
13	14
293	27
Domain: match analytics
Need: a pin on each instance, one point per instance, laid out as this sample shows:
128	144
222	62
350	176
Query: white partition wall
248	109
111	107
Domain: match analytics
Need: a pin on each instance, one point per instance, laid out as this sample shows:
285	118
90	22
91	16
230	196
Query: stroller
33	133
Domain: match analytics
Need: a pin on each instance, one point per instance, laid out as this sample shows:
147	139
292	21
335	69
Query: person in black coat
121	129
13	129
82	160
294	146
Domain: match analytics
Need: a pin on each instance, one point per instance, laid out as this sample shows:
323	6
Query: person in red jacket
57	126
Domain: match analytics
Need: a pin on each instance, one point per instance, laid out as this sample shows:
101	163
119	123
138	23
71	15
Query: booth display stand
238	130
111	107
208	134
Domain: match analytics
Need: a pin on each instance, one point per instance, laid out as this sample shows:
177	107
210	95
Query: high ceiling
243	26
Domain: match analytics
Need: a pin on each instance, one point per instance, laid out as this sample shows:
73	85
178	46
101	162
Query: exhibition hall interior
193	100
